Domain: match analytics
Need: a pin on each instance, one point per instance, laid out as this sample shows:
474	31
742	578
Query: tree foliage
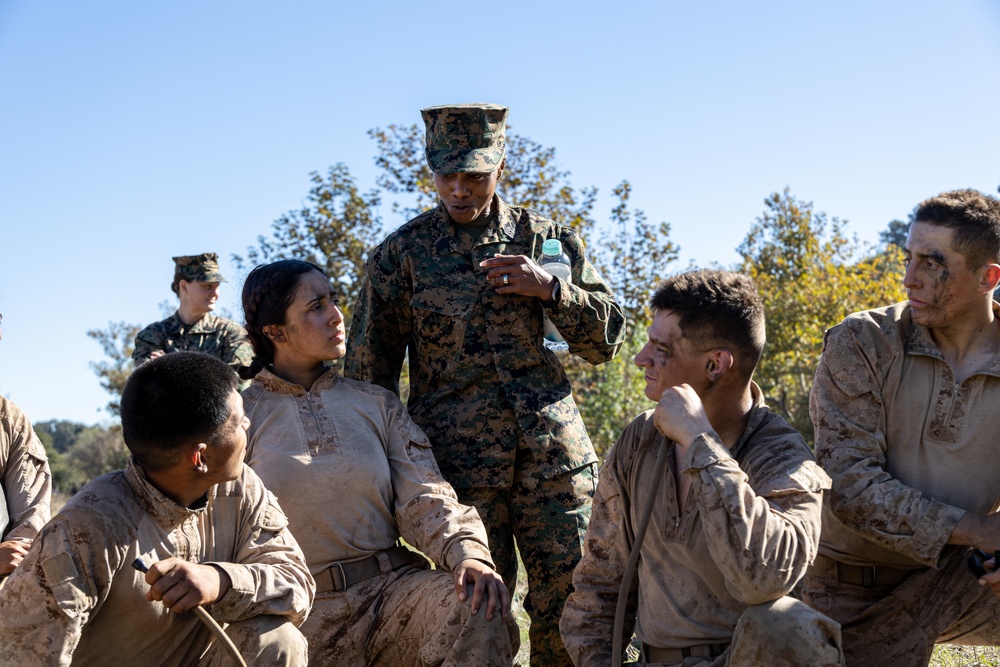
78	453
633	256
334	229
810	274
117	342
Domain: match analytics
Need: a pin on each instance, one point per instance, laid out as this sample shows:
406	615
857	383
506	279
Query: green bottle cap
552	247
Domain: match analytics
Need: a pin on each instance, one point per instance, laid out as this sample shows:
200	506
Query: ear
719	361
990	278
198	457
274	333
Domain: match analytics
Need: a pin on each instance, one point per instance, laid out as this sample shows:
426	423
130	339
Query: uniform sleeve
237	350
763	532
47	601
846	409
427	510
587	314
147	341
27	480
269	573
381	323
588	618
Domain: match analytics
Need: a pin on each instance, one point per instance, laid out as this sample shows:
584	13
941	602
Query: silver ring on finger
506	279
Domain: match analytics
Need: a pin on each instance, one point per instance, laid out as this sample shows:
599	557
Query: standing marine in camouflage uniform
905	410
736	505
458	289
193	327
25	486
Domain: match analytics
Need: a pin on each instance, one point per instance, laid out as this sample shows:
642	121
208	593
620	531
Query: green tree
78	453
810	274
633	256
335	229
117	342
896	233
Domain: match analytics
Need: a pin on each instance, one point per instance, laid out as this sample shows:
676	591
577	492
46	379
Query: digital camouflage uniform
355	474
211	334
76	599
720	571
25	478
909	451
494	401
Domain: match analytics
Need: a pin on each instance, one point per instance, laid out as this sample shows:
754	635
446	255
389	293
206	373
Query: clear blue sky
134	131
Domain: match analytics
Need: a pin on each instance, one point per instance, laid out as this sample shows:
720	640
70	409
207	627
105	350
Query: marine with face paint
735	500
904	406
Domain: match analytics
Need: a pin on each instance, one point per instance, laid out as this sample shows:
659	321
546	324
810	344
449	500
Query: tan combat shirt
909	450
748	532
25	479
354	472
76	599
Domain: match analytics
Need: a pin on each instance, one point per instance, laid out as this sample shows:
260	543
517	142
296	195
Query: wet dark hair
173	401
717	308
267	293
975	217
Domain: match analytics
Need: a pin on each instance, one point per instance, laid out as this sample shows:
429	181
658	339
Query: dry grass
947	655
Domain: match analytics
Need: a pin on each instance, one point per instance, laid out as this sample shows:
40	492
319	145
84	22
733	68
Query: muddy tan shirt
354	472
908	448
76	599
748	531
25	479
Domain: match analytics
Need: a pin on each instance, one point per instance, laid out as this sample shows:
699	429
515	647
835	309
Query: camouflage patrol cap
465	137
201	268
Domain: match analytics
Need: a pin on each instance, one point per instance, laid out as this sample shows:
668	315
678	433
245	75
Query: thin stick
207	619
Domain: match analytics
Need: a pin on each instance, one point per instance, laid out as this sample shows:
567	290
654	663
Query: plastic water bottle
556	263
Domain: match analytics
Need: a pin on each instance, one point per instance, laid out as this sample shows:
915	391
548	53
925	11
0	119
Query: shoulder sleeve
147	341
587	313
847	408
48	600
762	515
269	572
427	510
26	478
381	322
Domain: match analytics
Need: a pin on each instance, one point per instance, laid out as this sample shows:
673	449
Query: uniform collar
271	382
164	511
501	230
205	323
919	341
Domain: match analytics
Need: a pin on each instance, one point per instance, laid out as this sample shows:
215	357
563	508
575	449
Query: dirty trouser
782	633
263	640
899	625
407	616
548	518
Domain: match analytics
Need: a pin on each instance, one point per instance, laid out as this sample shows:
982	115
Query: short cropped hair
717	308
172	401
975	217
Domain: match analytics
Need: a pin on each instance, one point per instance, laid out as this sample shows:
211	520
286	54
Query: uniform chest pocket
440	320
